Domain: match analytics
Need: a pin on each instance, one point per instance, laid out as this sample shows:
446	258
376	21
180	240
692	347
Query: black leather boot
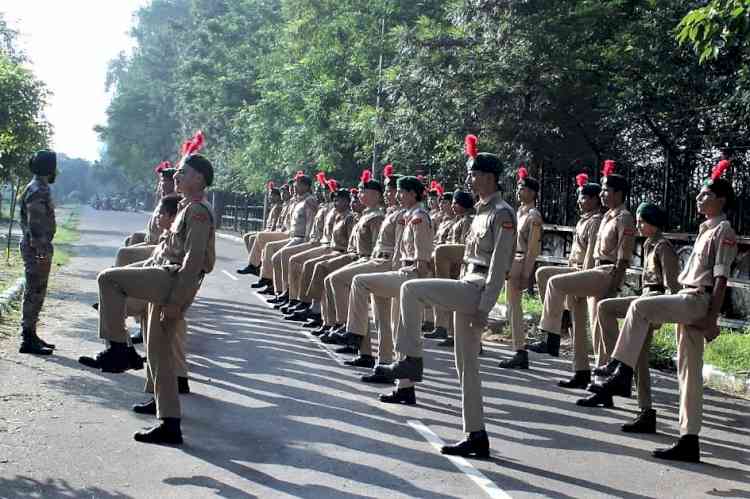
427	326
620	383
476	444
167	432
580	379
262	283
409	368
361	361
596	400
406	396
183	386
551	345
113	359
448	342
314	321
323	329
137	338
644	422
439	333
686	449
378	376
607	369
519	361
147	407
245	270
31	344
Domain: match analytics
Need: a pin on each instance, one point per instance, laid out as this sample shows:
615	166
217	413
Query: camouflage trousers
37	275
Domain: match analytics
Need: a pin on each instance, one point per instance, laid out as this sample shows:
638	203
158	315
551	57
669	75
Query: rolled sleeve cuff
722	271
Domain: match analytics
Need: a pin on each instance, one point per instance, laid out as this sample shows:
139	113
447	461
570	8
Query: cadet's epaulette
205	215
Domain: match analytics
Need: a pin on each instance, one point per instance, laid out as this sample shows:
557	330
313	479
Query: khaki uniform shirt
365	233
444	229
188	250
302	216
273	219
616	238
436	216
713	253
342	229
318	235
417	238
283	223
660	265
389	234
153	232
491	244
460	229
528	237
38	215
584	241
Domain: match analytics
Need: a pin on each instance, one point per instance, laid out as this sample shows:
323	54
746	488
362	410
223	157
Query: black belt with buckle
473	268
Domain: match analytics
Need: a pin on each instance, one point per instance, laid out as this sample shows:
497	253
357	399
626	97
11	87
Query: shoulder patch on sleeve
729	242
629	231
508	225
416	221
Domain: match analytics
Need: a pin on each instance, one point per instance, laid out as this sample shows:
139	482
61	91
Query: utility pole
377	100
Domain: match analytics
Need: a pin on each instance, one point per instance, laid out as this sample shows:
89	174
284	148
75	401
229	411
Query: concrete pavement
272	414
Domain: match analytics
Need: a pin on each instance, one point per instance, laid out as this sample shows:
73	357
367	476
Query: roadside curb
716	377
11	294
229	237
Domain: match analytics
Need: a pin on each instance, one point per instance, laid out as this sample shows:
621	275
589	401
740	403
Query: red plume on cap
332	185
388	170
185	148
321	176
522	172
196	143
299	174
366	176
609	167
435	186
470	146
719	169
354	190
582	179
162	166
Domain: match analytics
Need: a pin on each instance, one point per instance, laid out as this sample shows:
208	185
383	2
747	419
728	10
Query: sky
70	43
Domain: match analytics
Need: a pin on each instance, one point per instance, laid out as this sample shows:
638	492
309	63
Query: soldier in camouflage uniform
38	226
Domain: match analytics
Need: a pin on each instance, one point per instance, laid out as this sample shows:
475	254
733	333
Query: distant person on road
165	187
38	227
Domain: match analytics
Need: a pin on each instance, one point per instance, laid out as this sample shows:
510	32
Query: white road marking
230	275
476	476
229	237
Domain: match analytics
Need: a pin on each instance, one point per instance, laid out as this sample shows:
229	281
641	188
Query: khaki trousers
514	296
578	311
296	263
385	288
161	340
280	261
249	240
131	254
461	298
683	308
341	284
334	261
592	284
261	239
118	284
308	269
266	265
178	350
608	311
327	300
447	260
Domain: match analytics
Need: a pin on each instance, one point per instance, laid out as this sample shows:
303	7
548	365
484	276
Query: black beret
167	173
44	162
529	183
447	196
203	166
464	199
304	179
409	183
652	214
485	162
590	189
373	185
433	193
275	191
616	182
342	194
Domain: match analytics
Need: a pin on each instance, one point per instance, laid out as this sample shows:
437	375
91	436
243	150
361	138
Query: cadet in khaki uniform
255	258
413	255
311	279
352	307
448	257
38	227
301	223
170	285
488	257
163	188
581	258
660	270
361	244
695	310
280	259
528	247
614	248
273	223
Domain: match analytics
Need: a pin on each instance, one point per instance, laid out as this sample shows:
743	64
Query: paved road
275	415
